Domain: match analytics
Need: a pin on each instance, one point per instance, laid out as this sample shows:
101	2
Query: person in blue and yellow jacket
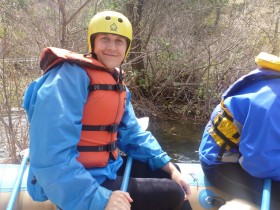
240	145
80	115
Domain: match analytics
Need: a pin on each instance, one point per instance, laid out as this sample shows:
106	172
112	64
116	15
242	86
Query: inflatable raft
202	191
14	195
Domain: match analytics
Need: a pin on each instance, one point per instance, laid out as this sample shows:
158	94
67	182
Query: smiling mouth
113	56
110	55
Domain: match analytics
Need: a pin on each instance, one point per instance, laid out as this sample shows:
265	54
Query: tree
23	33
184	53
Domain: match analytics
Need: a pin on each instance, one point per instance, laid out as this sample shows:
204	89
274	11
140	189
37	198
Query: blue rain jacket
254	102
54	105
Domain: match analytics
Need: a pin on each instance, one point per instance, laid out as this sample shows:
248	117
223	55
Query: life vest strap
222	136
221	152
110	128
117	87
109	148
226	115
117	76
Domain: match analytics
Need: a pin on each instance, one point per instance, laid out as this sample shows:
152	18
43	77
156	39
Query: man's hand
179	178
119	201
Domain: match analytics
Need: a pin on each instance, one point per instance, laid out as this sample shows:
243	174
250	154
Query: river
180	140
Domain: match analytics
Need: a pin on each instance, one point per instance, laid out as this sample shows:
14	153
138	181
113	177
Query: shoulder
69	69
66	76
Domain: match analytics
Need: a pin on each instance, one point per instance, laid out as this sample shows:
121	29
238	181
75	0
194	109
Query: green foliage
112	5
164	42
219	2
2	32
16	4
187	47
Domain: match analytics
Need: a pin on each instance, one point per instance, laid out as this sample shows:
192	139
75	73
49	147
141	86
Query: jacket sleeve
54	105
137	143
259	141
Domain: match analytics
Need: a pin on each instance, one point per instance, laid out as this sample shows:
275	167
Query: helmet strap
93	55
121	75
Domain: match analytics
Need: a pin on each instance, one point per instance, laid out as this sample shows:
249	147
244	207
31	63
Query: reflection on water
180	141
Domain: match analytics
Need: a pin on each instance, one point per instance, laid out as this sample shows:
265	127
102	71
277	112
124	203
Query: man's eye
120	41
104	39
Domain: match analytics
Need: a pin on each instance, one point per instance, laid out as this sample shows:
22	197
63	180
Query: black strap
117	76
110	128
117	87
221	152
226	140
109	147
225	114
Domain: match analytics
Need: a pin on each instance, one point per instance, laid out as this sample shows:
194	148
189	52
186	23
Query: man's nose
111	45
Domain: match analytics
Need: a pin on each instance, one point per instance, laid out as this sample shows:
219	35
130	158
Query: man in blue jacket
241	143
80	114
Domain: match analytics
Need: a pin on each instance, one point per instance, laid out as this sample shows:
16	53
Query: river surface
180	140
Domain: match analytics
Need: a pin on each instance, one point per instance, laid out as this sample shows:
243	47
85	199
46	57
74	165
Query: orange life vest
103	110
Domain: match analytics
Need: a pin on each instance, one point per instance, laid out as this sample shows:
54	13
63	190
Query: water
180	140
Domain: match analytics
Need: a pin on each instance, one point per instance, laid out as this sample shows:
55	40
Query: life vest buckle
111	147
120	87
114	128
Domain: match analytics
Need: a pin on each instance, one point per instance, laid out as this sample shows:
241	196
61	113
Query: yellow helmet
109	22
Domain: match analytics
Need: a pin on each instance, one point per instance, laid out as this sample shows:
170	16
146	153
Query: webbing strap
221	152
226	115
117	76
117	87
109	148
110	128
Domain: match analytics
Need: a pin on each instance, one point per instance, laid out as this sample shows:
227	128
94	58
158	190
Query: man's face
110	49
